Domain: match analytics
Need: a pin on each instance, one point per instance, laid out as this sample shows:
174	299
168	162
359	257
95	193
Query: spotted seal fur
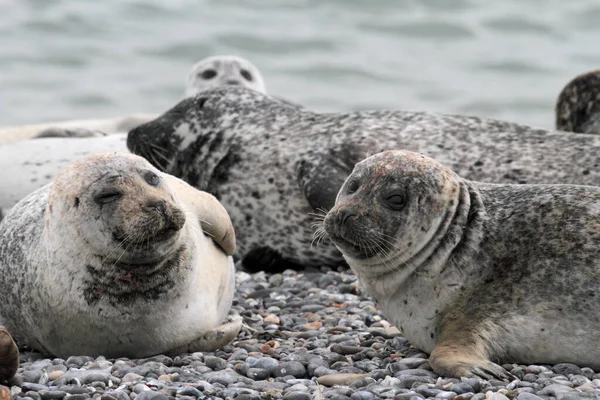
578	104
272	165
475	274
115	258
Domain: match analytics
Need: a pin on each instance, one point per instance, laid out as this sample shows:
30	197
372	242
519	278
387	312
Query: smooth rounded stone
408	396
596	382
579	380
225	377
339	379
151	395
36	387
298	387
267	363
362	395
409	363
131	377
296	396
566	369
263	385
465	396
447	395
74	389
528	396
56	367
473	382
518	372
83	377
215	363
79	396
54	375
140	387
312	307
461	388
189	391
555	390
293	368
31	376
408	381
315	363
258	374
240	354
52	394
588	372
31	395
322	371
427	391
118	395
77	361
530	377
535	369
497	396
417	372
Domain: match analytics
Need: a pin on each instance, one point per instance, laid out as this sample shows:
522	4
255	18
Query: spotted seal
473	273
115	258
210	72
577	107
272	165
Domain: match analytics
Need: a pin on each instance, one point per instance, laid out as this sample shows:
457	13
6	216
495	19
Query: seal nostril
160	205
345	216
232	82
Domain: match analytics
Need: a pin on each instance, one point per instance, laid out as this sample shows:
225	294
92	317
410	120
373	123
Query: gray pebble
579	380
297	396
215	363
555	390
189	391
52	394
528	396
257	374
408	396
293	368
267	363
447	395
362	395
150	395
566	369
33	386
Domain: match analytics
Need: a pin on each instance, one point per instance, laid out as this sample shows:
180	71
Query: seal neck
455	241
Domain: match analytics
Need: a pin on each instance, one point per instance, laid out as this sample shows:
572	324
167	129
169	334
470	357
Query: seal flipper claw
9	356
464	361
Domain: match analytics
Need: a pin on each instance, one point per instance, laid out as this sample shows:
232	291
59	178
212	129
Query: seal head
577	107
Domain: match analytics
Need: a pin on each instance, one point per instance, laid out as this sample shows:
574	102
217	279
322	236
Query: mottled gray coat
272	165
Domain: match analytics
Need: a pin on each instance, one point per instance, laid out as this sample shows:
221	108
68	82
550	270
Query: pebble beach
306	335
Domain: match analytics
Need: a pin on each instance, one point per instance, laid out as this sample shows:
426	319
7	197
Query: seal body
115	258
577	107
474	273
273	166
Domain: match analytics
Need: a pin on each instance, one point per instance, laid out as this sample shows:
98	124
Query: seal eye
246	74
108	196
353	186
395	201
208	74
151	178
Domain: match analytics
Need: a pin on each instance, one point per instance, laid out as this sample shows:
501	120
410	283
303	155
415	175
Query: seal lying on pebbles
474	273
110	259
271	165
578	105
210	72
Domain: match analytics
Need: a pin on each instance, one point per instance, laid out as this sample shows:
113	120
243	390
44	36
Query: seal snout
172	217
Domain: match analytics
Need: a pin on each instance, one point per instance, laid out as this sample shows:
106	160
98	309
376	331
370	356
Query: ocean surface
100	58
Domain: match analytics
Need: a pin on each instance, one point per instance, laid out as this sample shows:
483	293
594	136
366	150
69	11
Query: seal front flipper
213	339
321	176
9	356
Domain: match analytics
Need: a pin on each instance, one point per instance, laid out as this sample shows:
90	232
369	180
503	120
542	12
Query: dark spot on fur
255	194
478	163
586	172
271	180
76	203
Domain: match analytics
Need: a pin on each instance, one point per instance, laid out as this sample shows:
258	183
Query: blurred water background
66	59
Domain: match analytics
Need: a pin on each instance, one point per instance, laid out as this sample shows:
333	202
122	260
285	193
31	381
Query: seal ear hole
200	102
208	73
246	74
76	202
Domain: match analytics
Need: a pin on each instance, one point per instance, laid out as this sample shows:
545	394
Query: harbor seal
475	274
210	72
226	70
273	166
578	104
115	258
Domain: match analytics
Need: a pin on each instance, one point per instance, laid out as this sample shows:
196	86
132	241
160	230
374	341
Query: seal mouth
356	249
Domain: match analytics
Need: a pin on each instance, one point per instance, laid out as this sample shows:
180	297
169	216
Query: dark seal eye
353	186
151	178
107	197
395	201
208	74
246	74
